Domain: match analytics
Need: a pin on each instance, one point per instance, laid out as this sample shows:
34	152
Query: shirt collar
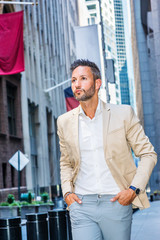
98	110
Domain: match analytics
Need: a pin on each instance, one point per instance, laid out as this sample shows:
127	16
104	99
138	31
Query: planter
8	211
26	209
44	208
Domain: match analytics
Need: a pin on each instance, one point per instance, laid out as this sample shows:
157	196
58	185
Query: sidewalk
146	223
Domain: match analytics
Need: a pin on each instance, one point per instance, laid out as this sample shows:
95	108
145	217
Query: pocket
124	212
72	204
124	207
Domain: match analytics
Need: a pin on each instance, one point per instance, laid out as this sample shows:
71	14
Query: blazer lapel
106	121
75	134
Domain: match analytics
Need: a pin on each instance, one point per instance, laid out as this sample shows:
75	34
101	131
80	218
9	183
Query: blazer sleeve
142	148
65	165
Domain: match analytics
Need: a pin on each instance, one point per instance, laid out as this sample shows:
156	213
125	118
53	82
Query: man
99	179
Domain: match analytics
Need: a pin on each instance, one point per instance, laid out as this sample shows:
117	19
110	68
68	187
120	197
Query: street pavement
146	223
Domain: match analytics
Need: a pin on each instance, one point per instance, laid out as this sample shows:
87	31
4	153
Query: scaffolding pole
19	3
58	85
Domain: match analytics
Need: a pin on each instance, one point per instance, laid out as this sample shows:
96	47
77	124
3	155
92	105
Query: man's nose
77	83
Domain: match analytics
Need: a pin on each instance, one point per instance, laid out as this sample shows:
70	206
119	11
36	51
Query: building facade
102	14
146	55
110	14
129	54
49	50
11	134
88	37
109	31
121	52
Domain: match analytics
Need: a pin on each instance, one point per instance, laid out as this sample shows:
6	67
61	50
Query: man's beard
87	94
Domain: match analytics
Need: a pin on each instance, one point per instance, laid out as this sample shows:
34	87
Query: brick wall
4	192
9	144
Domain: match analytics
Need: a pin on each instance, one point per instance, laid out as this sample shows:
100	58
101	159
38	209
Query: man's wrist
66	195
136	190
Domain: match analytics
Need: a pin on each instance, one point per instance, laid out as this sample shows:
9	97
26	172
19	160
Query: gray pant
97	218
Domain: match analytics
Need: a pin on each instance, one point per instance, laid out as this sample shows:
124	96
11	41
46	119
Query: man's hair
86	63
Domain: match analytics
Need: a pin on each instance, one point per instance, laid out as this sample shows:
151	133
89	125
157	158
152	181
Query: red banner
71	102
11	43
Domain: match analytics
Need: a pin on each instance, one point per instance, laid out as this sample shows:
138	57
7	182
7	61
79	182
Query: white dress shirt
94	176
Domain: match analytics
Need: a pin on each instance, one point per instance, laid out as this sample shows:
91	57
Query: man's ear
98	83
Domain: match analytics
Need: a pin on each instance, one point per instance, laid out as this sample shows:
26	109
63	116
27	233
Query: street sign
23	161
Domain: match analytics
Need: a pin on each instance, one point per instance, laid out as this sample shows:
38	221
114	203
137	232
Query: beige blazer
121	132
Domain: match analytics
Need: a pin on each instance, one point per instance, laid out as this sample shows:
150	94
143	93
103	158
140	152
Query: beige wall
136	67
1	8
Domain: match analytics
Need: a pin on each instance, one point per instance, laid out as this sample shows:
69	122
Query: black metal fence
54	225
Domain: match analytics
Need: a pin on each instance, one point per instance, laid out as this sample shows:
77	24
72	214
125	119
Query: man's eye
84	78
73	80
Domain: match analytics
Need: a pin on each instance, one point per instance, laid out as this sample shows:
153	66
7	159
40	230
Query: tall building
146	55
88	37
11	135
109	31
110	13
104	16
49	50
121	52
129	55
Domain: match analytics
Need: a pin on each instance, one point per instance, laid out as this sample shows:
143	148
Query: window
117	86
93	20
4	174
109	48
33	111
11	95
93	15
56	139
90	7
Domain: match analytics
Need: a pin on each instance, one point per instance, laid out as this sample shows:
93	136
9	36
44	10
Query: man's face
83	84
